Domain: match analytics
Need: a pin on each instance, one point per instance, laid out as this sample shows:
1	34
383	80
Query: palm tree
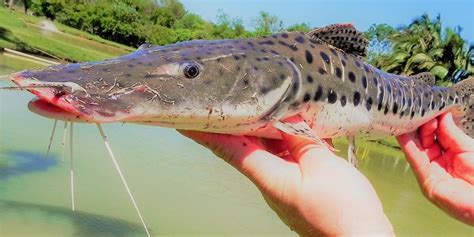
423	46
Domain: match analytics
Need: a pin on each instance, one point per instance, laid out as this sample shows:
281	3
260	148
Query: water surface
181	188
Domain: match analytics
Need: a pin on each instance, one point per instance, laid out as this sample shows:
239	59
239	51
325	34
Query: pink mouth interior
49	105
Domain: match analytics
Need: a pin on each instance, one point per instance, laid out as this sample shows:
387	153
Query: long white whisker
117	167
51	138
71	168
63	143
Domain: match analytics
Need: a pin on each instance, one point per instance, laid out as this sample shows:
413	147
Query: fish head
186	85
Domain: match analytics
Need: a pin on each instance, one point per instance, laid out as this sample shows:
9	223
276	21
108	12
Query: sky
362	13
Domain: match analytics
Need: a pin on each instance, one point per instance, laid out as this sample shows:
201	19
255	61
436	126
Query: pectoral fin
301	129
351	152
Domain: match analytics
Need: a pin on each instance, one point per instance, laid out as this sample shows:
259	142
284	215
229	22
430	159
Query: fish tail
465	89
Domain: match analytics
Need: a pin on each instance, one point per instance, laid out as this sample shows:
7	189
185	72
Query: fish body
245	87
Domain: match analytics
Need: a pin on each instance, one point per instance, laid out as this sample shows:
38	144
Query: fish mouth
54	100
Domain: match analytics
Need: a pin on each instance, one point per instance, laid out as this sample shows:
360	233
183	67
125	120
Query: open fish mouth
66	101
53	100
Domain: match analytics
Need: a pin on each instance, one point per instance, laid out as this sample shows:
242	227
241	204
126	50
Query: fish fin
343	36
351	152
465	88
424	77
302	130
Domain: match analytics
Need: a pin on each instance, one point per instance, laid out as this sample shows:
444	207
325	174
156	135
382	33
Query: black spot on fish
309	57
343	100
295	104
352	77
284	35
356	98
318	94
385	110
389	88
274	52
306	97
432	105
309	78
299	39
268	42
366	68
282	76
412	114
376	82
266	59
332	96
322	71
324	56
295	87
251	44
364	82
263	50
338	72
379	106
442	106
423	112
343	62
259	59
264	90
395	108
333	51
255	68
292	59
368	104
357	63
312	46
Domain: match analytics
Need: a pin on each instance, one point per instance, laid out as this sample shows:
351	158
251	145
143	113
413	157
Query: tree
302	27
379	40
266	24
424	46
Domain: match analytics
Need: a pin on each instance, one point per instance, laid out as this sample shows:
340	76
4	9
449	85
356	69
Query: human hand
442	158
311	189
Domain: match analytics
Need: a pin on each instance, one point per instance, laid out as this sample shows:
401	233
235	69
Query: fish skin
243	86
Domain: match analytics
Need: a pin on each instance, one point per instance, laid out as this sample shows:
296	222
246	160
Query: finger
418	159
427	132
451	137
463	167
305	151
263	168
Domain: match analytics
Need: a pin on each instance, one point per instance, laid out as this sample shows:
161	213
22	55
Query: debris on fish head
198	85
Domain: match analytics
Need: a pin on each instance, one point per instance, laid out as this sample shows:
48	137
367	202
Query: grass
24	33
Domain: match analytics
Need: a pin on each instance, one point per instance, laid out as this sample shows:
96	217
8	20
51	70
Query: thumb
304	151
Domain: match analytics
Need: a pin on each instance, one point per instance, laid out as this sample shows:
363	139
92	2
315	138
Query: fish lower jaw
48	110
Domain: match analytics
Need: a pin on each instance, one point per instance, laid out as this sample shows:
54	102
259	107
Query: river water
181	188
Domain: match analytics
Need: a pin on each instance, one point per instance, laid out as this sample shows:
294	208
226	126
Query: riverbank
38	36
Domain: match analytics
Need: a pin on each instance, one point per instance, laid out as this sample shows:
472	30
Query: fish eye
191	70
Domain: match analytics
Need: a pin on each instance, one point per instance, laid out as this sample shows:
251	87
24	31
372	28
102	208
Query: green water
181	188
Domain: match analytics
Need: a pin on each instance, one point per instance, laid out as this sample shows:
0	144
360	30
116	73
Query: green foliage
266	24
303	27
48	8
422	46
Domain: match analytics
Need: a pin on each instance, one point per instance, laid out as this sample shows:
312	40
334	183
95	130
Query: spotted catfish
249	86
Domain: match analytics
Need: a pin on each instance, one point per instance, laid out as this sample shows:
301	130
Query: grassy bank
25	33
